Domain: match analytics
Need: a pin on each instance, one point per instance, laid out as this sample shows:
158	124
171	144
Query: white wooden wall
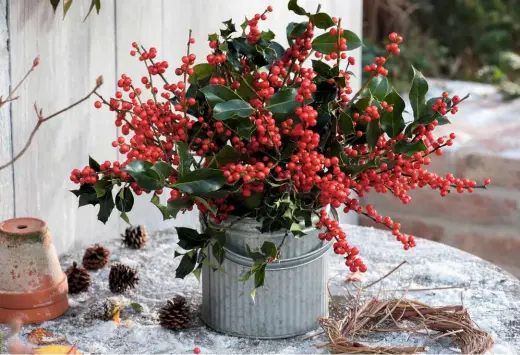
73	53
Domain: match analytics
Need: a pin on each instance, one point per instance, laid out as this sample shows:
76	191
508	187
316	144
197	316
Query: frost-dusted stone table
491	294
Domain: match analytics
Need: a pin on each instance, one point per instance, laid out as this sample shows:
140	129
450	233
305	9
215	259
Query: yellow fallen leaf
116	318
57	349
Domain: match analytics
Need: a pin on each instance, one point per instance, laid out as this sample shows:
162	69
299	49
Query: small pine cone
175	314
121	278
78	278
96	257
135	237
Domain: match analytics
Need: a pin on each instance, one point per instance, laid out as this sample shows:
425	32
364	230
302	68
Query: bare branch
42	119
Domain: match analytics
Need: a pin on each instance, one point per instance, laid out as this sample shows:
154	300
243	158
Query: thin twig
42	119
384	277
9	98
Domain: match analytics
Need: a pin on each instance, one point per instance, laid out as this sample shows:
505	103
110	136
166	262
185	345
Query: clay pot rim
23	226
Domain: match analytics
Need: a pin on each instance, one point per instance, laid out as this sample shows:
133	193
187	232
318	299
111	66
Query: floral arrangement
256	132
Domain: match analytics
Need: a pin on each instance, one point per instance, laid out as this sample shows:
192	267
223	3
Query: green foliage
67	4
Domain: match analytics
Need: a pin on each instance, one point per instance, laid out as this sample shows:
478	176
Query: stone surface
491	295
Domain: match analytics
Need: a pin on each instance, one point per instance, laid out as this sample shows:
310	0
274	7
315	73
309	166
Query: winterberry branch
42	119
10	98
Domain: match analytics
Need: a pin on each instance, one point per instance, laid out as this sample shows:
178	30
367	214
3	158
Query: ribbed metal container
294	293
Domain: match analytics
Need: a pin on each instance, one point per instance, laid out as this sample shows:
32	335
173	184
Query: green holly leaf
216	94
232	108
175	206
101	187
212	209
94	164
66	7
283	102
254	201
269	249
393	122
245	129
106	205
295	30
260	276
186	266
55	4
246	87
326	43
124	200
322	20
124	217
345	123
146	177
156	201
269	35
409	148
164	169
201	181
353	41
294	7
418	93
219	253
185	158
87	195
190	239
373	133
321	68
379	87
225	156
202	71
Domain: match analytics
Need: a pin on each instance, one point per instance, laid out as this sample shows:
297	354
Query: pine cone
96	257
175	314
121	278
135	237
78	278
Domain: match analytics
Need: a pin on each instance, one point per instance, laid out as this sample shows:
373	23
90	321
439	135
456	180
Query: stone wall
487	222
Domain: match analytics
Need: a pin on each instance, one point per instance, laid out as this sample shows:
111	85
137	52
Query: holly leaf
185	158
373	133
219	253
94	164
379	87
146	178
202	71
345	123
294	7
216	94
418	93
321	68
164	169
101	187
190	238
186	266
201	181
269	35
124	200
353	41
106	205
55	4
322	20
206	204
326	43
409	148
283	102
295	30
124	217
269	249
175	206
393	122
225	156
232	108
156	201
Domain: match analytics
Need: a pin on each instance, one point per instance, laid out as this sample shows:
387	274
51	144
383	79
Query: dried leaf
41	336
57	349
116	317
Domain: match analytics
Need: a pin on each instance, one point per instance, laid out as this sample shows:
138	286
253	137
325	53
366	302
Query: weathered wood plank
73	53
6	175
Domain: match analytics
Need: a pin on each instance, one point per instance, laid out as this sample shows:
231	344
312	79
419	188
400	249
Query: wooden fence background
73	54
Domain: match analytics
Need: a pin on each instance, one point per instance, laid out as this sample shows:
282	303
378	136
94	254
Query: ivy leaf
409	148
94	164
202	71
218	93
269	35
322	20
393	122
225	156
190	239
373	133
201	180
418	93
269	249
174	206
219	253
283	102
185	158
345	123
124	217
353	41
146	178
157	203
379	87
186	266
106	205
124	200
294	7
236	107
297	230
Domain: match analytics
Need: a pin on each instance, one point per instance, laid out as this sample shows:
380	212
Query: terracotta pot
33	287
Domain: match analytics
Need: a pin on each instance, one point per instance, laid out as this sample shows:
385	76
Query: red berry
196	350
97	104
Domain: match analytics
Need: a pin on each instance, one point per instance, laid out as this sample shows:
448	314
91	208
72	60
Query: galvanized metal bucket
294	293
